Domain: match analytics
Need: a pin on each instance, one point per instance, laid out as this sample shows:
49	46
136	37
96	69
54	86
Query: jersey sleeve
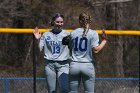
95	40
42	42
68	33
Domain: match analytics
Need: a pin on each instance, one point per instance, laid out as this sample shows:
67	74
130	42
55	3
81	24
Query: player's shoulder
64	33
91	31
76	30
92	34
46	33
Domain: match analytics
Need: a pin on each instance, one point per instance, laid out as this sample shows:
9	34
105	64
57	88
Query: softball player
56	55
85	41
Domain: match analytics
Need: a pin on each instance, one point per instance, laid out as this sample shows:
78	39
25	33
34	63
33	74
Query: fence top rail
30	31
22	78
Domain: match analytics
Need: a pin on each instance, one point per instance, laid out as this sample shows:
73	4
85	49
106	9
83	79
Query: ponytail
84	20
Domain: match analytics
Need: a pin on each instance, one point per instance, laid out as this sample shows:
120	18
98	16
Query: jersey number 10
80	44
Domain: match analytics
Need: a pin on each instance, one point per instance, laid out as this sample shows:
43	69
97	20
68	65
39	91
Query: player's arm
102	44
39	38
100	47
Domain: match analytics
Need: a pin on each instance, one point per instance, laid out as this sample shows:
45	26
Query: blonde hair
84	19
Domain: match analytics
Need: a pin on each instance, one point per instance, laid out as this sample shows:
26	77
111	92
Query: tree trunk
18	23
119	53
114	18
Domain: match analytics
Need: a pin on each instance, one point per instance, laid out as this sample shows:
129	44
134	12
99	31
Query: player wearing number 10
55	54
84	41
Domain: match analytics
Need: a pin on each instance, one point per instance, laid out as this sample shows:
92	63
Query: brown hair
84	19
55	17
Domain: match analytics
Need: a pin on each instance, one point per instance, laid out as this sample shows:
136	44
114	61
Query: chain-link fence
103	85
119	58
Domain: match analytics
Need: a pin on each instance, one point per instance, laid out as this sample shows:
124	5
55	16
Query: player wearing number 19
55	54
84	42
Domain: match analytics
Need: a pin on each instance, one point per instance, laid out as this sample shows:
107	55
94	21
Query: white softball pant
82	71
57	72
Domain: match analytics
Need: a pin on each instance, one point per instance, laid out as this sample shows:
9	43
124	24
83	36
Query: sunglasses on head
58	15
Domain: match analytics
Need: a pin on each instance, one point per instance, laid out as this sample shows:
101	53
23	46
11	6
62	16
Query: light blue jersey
53	47
82	46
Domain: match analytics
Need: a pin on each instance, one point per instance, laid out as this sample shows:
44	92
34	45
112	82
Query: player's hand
36	33
103	35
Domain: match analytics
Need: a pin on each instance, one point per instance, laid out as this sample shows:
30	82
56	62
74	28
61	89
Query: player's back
82	45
